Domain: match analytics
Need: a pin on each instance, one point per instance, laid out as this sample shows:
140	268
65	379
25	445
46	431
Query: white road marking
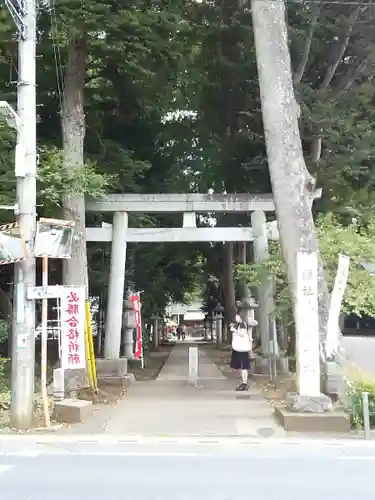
4	468
40	441
23	453
144	454
77	453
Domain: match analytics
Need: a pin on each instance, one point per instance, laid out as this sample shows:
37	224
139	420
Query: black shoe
242	387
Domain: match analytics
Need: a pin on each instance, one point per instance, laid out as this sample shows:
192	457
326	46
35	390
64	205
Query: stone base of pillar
74	380
308	404
111	367
128	343
128	349
73	411
311	414
330	421
333	380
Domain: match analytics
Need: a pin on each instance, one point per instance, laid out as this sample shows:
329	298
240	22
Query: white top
241	329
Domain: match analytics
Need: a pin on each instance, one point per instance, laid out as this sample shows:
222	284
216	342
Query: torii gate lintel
187	204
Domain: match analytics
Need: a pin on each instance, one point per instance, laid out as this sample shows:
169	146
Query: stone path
177	366
168	406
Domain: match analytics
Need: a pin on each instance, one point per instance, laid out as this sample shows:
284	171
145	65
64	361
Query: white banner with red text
73	328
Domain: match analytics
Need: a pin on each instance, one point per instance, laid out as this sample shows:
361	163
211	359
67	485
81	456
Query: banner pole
141	337
44	342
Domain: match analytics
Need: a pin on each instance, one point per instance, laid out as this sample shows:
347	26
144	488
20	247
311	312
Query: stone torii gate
189	205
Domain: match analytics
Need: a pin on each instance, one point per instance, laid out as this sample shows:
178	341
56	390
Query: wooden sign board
12	247
54	238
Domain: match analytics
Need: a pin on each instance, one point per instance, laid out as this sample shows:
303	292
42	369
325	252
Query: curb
178	440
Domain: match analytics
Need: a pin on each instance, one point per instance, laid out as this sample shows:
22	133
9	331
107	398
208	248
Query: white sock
244	376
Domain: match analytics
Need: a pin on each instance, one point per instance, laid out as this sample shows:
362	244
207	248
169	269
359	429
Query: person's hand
252	322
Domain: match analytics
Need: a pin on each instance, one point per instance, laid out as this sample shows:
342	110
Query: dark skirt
240	360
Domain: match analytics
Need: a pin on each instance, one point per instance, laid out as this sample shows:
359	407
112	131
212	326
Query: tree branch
330	72
353	73
298	74
316	145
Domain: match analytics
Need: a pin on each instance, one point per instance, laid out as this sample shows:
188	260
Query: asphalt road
188	472
361	351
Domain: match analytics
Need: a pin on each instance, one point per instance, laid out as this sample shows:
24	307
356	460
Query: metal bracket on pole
9	207
17	9
366	416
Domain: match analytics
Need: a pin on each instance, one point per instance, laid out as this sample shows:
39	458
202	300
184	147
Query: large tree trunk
228	280
291	190
291	183
243	286
73	130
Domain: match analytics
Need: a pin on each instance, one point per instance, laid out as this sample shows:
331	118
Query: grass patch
154	362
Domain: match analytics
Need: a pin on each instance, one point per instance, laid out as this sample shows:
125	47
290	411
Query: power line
56	53
321	2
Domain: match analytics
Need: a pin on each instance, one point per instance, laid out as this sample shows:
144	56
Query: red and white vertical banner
73	328
136	305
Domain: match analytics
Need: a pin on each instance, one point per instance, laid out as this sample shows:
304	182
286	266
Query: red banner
136	305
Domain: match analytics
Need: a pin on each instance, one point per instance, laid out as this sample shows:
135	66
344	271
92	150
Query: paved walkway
168	406
176	367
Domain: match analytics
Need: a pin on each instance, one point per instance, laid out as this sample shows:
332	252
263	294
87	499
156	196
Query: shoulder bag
240	340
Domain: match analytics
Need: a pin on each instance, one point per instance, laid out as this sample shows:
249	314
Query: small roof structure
194	316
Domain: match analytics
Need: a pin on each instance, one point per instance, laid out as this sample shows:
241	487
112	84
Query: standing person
181	332
241	348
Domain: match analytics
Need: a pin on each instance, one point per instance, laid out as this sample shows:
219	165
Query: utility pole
23	13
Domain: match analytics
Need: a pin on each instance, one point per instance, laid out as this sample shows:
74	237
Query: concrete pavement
168	406
177	366
180	472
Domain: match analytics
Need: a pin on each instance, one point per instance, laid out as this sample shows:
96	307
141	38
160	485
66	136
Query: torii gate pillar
112	341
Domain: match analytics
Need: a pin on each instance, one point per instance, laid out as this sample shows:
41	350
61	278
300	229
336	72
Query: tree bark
284	149
230	305
227	288
244	289
290	186
73	131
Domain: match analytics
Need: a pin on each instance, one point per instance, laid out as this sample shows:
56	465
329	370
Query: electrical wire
56	53
321	2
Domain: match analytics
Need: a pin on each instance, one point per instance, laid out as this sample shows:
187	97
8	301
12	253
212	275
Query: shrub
3	330
5	393
355	403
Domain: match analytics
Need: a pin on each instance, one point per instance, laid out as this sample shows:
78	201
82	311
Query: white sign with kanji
307	324
333	331
73	328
